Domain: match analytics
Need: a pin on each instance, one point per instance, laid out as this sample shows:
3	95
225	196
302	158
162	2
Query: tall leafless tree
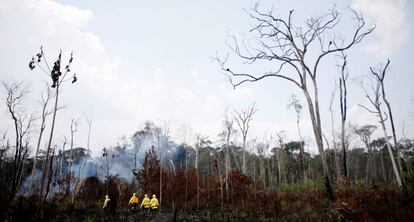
22	123
374	97
343	105
74	123
46	96
59	74
243	119
89	122
334	143
279	41
227	134
62	158
380	76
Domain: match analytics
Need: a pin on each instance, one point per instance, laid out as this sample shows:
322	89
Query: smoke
119	160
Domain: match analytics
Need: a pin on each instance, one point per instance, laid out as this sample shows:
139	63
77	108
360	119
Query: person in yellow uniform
154	204
146	203
133	203
106	203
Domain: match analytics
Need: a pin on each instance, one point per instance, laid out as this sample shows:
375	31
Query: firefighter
106	203
154	204
133	203
146	203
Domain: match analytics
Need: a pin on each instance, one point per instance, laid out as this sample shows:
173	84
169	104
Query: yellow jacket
106	202
146	202
134	200
154	203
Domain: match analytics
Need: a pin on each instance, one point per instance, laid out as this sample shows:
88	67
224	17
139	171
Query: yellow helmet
154	196
145	195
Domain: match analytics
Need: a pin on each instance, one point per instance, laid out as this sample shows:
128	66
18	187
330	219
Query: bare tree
45	99
287	45
62	158
334	145
380	76
226	135
243	119
74	123
22	122
58	74
89	122
343	104
374	98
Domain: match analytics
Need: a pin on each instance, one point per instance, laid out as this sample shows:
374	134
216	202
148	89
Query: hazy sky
152	60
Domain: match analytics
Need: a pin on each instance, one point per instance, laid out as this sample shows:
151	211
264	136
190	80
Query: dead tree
45	99
286	46
89	122
380	76
295	103
22	123
62	158
243	119
343	104
374	98
227	135
74	123
334	145
59	74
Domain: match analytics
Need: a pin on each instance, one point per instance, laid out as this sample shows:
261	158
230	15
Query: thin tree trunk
394	166
396	145
62	159
314	114
244	170
279	165
37	154
301	154
161	168
384	175
344	165
48	146
186	183
88	143
50	174
337	166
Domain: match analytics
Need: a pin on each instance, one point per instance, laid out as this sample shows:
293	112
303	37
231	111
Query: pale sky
152	60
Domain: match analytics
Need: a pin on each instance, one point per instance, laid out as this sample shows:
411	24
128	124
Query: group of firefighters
150	206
